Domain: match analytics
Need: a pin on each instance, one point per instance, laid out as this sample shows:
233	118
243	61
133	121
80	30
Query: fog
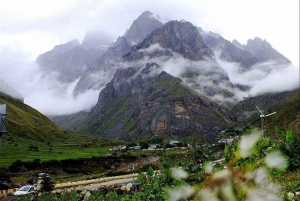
44	93
265	77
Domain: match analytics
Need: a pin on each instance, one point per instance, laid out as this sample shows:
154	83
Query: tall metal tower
3	121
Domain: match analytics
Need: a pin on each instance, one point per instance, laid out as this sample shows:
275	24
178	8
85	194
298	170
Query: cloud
277	81
267	77
52	102
45	94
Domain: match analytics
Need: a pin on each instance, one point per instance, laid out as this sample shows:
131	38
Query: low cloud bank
43	93
263	78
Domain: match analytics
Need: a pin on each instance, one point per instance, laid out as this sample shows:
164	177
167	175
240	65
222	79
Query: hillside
285	104
24	121
288	113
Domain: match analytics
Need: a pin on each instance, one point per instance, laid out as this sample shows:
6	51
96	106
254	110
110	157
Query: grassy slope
285	104
24	121
71	146
29	128
290	111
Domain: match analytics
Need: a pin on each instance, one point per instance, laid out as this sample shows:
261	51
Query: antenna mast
262	116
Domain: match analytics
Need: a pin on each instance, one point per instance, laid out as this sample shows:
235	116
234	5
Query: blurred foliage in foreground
254	168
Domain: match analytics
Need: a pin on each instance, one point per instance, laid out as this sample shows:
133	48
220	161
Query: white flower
261	177
227	191
183	191
276	160
207	195
179	173
246	144
223	174
290	194
208	167
261	195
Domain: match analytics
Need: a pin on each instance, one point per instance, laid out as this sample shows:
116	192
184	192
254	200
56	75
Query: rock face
181	37
140	103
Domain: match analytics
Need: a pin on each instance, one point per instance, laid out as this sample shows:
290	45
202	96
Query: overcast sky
32	27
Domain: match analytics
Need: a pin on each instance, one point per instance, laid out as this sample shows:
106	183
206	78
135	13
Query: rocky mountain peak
141	27
257	43
264	52
181	37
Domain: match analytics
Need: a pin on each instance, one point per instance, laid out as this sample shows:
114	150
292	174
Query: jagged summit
141	27
181	37
263	51
226	50
138	31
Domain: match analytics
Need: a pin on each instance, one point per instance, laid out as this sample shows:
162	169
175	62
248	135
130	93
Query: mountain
238	44
167	80
180	42
254	52
104	68
228	51
181	37
264	52
24	121
145	102
68	61
141	27
174	41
